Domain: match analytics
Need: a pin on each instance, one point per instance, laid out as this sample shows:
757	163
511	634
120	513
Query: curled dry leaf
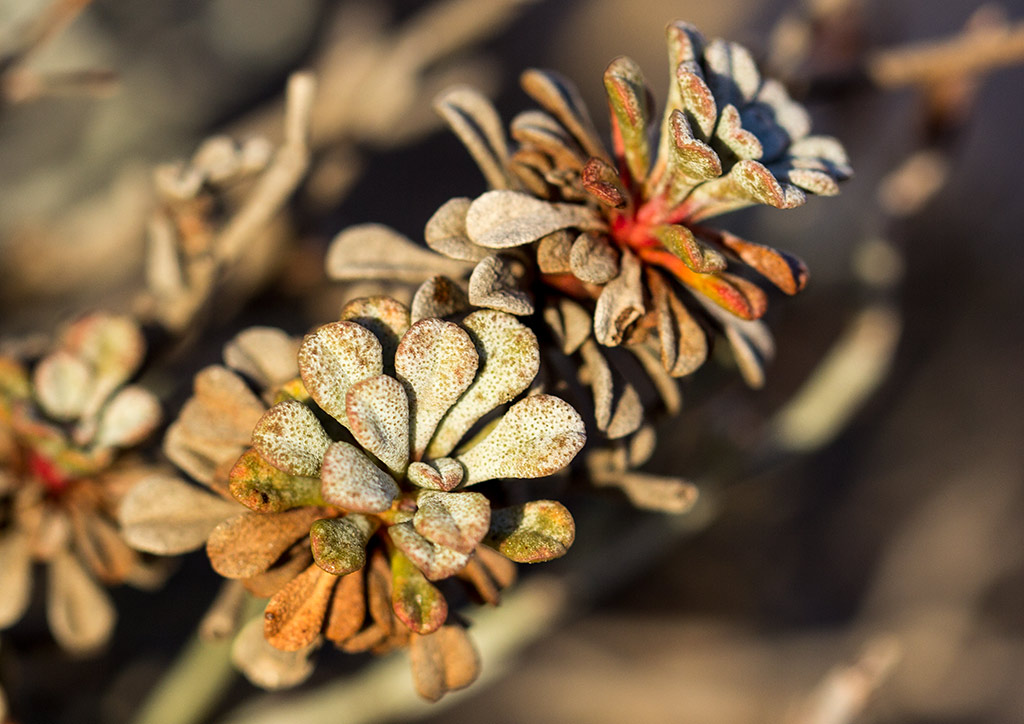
493	284
621	302
593	259
438	297
348	608
446	232
265	354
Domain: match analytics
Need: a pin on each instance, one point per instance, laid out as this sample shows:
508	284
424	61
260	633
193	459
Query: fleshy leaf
436	561
167	516
378	417
373	251
290	438
621	303
339	544
438	297
443	661
387	318
335	357
693	159
454	520
538	531
539	435
602	182
785	271
294	615
250	543
505	219
351	480
628	98
441	474
697	100
263	488
700	257
417	603
129	417
553	252
509	360
741	142
62	385
436	361
493	285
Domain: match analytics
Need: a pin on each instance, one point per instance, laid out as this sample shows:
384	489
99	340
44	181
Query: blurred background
873	571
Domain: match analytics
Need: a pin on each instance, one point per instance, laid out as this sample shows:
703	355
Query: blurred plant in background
372	478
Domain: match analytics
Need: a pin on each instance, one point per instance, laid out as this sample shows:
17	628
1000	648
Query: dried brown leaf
443	661
266	666
79	611
348	608
373	251
250	543
493	285
621	303
295	614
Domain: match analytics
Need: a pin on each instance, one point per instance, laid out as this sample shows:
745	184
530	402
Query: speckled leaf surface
378	417
353	482
540	530
289	437
416	602
333	358
454	520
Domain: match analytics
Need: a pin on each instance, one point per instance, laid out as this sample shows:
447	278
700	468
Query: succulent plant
67	424
623	233
357	481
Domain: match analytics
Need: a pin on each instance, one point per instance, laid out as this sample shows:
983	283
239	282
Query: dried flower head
623	233
65	425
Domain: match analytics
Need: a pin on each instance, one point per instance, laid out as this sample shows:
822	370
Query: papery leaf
593	259
250	543
446	233
538	531
628	98
436	361
339	544
167	516
265	354
454	520
509	360
749	357
333	358
266	666
620	304
378	417
438	297
539	435
294	615
474	120
443	661
506	219
79	611
417	603
291	563
559	97
602	182
666	386
351	480
373	251
62	385
684	345
348	608
290	438
15	576
493	285
128	418
435	561
263	488
387	318
618	414
441	474
657	492
700	257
